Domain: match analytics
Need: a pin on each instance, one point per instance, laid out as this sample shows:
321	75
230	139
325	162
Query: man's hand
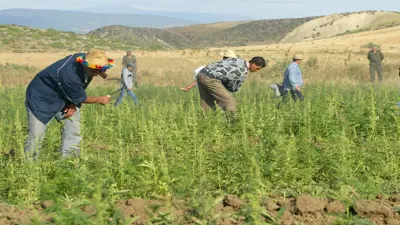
69	110
297	88
184	89
104	100
130	89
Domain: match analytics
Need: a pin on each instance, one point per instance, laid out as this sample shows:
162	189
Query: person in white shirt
225	55
127	81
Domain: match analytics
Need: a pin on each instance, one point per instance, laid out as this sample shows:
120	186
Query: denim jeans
70	135
122	96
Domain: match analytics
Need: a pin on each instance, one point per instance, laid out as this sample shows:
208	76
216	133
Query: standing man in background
129	58
293	80
375	58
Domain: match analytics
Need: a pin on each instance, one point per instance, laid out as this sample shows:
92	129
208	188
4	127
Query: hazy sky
255	8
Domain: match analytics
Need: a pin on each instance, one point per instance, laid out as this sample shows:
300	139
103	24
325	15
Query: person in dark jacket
375	58
58	92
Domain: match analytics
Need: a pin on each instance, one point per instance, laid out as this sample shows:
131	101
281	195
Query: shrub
370	45
58	45
18	51
6	41
279	66
312	62
155	47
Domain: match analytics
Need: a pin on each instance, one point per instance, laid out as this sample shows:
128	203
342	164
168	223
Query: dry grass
335	24
174	68
202	30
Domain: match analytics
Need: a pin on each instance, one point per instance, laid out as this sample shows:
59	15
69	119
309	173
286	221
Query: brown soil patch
305	209
336	207
10	215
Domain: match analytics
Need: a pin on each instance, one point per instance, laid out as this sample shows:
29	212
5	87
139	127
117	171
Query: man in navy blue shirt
58	91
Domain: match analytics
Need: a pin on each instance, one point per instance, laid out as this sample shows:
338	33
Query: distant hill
83	22
192	16
195	32
136	37
341	24
241	33
25	39
254	32
204	35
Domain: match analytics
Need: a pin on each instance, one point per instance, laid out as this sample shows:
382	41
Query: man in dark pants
293	80
375	58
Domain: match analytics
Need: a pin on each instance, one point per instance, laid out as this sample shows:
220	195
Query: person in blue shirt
58	92
293	80
128	78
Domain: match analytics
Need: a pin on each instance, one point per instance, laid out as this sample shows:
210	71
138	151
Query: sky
258	9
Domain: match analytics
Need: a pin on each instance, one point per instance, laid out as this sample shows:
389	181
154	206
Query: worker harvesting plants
217	80
58	91
225	55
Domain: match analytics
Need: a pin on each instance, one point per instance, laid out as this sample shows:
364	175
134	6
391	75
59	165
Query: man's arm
70	108
369	56
124	61
134	63
187	88
292	76
104	100
382	56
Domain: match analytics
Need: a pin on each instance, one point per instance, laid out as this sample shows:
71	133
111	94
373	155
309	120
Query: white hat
298	56
229	54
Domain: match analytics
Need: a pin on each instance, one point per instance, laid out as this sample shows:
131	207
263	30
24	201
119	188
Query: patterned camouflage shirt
231	72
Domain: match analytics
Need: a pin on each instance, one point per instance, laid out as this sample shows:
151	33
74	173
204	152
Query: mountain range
221	34
191	16
83	22
88	19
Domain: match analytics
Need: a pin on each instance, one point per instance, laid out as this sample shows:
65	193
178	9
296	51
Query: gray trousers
70	135
375	68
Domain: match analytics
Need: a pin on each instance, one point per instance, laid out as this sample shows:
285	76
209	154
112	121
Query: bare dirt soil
304	209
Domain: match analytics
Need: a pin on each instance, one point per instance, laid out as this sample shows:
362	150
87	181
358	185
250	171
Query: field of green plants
343	142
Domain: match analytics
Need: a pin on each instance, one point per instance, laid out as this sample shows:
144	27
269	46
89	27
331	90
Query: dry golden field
337	58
